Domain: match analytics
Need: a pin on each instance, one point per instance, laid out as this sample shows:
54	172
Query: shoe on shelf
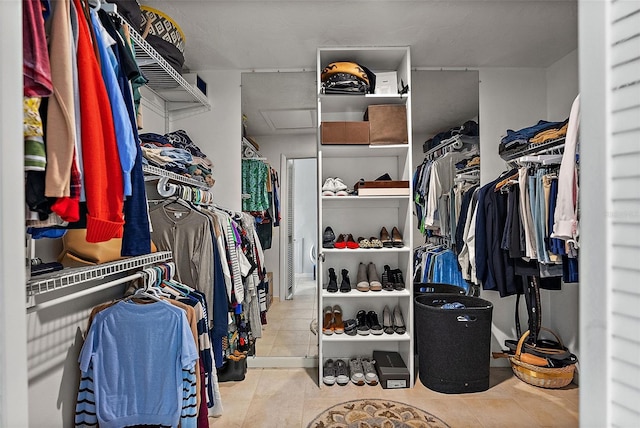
363	283
397	279
341	242
387	323
363	242
374	325
327	321
387	280
329	187
372	276
345	285
384	177
332	287
385	238
338	185
328	238
375	242
370	375
398	321
329	372
342	372
396	238
351	243
356	371
338	325
362	328
350	327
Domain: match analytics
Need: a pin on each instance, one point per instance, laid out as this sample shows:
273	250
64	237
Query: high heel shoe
397	279
387	280
396	238
372	276
398	321
387	324
385	238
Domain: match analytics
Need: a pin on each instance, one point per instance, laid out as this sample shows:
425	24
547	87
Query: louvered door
625	204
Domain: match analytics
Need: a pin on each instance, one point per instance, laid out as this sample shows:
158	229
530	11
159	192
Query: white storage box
387	83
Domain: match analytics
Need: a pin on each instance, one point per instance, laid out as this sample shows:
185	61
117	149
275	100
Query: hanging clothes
119	387
255	174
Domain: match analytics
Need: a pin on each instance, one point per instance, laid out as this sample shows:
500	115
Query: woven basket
543	377
160	24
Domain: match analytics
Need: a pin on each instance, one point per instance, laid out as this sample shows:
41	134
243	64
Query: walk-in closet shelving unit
364	215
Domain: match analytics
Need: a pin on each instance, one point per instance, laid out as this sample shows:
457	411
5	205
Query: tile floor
282	398
287	332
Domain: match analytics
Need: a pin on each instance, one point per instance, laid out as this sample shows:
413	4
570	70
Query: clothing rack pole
259	158
85	292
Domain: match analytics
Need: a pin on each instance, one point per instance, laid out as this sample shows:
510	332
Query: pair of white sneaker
334	187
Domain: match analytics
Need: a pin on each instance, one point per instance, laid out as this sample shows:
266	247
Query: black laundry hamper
454	344
422	288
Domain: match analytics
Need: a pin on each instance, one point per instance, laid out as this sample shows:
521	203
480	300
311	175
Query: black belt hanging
532	299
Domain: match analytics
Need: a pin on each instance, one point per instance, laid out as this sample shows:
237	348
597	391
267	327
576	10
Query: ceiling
270	39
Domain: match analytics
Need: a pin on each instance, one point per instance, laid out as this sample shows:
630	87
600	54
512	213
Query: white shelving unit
364	215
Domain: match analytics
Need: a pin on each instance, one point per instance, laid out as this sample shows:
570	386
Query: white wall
272	147
306	212
562	86
218	133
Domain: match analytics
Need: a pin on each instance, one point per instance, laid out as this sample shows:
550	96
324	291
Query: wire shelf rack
162	78
73	276
159	172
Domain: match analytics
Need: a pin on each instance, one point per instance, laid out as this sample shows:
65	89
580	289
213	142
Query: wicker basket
544	377
158	23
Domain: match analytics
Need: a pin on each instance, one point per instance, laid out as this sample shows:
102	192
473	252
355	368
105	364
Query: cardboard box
386	83
344	132
383	188
392	371
387	124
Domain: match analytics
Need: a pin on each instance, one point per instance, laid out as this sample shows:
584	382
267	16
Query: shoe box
344	132
392	371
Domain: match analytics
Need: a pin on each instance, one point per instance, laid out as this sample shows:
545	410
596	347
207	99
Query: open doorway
301	228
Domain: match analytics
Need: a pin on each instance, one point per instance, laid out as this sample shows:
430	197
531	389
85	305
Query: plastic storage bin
454	344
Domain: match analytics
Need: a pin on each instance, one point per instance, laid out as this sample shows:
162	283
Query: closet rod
85	292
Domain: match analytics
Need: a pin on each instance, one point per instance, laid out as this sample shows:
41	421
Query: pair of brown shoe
393	240
332	320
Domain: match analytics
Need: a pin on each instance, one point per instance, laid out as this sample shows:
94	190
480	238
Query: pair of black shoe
392	279
367	322
345	284
328	238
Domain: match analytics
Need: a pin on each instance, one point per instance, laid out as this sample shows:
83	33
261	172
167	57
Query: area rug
375	413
